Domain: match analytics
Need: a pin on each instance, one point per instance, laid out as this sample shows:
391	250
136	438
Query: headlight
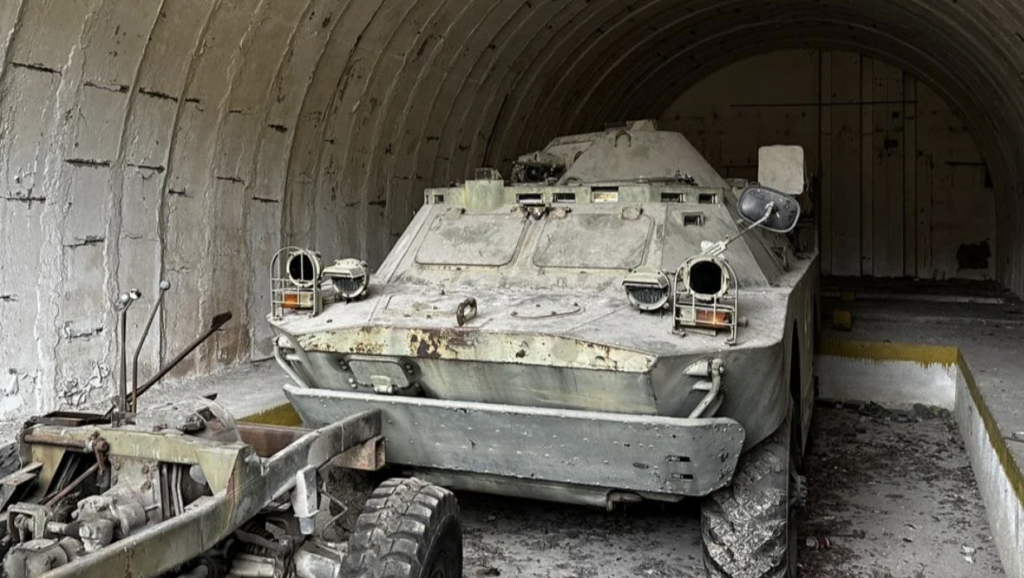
706	297
295	277
647	289
707	279
350	278
304	268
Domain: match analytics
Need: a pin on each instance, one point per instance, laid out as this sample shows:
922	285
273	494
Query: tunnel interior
188	140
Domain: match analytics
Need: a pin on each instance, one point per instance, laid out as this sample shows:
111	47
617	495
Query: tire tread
395	532
745	525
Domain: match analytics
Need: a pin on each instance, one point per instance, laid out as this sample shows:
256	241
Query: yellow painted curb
888	351
995	437
282	415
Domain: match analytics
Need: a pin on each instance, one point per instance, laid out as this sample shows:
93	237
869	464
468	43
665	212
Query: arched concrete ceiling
179	138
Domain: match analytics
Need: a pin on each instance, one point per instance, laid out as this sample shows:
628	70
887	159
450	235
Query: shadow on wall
903	189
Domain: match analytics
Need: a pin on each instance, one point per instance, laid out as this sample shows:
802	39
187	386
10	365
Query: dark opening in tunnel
196	137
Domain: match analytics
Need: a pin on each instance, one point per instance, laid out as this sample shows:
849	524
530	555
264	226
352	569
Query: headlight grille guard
295	276
706	313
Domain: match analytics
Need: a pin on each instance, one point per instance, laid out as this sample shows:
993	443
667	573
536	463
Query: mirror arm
718	248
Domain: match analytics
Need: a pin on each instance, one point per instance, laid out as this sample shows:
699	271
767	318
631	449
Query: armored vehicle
615	324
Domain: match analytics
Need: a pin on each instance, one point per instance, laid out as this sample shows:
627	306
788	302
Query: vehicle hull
615	451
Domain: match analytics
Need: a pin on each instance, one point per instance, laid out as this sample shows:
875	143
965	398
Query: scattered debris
891	488
871	480
818	543
968	553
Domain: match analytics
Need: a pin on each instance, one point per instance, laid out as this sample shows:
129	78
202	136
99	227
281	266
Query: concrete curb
996	470
282	415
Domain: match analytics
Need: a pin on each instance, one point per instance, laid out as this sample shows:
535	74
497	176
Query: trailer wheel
408	529
749	527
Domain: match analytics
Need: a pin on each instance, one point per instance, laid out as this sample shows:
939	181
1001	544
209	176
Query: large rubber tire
748	528
408	529
352	488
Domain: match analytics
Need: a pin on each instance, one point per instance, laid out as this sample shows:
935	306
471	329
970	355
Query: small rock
902	417
968	553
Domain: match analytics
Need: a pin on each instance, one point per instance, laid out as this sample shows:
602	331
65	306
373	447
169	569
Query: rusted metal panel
253	483
368	456
268	440
471	344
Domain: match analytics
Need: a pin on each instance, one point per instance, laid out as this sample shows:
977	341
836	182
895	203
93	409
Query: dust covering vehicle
616	323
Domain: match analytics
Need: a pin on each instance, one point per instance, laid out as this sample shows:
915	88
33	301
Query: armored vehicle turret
616	323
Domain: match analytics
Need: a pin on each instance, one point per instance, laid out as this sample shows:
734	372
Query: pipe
124	302
217	323
164	286
73	486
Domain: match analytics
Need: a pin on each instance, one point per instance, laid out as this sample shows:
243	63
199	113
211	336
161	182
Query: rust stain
428	350
367	347
437	343
461	339
468	343
429	345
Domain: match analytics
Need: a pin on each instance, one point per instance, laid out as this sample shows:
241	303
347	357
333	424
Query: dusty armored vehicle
615	324
184	491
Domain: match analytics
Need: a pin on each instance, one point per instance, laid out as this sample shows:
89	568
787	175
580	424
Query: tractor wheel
749	527
408	529
348	492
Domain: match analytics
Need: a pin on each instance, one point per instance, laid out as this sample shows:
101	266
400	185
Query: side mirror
768	208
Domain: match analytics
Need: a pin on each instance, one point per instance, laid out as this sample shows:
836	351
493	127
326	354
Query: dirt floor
891	491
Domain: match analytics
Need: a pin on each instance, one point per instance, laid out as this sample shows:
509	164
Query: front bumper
638	453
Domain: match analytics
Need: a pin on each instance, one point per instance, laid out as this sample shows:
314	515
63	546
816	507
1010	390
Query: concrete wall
904	190
187	139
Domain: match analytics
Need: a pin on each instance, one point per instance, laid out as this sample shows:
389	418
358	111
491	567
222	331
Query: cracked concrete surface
895	496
